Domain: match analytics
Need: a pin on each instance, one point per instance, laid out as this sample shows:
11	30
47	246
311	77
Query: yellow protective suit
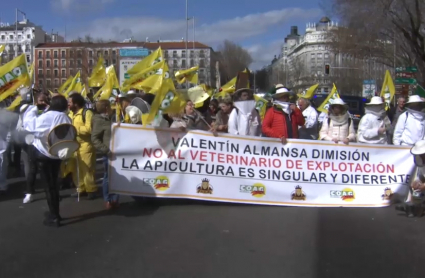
85	157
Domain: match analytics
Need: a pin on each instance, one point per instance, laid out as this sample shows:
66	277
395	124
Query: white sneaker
28	198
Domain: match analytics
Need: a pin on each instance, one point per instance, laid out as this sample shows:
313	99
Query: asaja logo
298	194
161	183
205	187
257	190
347	194
387	194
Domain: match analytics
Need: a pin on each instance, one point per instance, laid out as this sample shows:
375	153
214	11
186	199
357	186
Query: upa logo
347	194
257	190
161	183
388	193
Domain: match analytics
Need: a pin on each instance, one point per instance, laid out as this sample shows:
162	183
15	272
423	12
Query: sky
259	26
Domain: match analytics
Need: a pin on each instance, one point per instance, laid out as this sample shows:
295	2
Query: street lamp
16	31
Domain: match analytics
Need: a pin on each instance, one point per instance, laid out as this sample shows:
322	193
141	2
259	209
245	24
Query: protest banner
172	164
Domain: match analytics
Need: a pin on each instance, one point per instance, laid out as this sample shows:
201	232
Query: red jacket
275	123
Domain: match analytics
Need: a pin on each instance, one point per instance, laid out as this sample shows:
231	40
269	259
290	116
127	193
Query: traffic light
327	69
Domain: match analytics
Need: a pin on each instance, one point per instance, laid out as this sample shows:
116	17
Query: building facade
55	62
27	37
303	59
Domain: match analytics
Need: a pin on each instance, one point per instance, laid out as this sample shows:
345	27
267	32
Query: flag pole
187	38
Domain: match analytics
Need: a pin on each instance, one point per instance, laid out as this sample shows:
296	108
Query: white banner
256	170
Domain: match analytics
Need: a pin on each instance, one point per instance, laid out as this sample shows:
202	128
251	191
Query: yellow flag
136	80
190	75
31	72
261	105
85	90
75	85
13	75
153	79
109	89
164	86
65	85
1	50
98	75
15	103
310	92
388	89
148	61
111	73
51	93
329	100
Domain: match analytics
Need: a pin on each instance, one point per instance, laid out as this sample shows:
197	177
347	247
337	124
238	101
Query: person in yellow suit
85	157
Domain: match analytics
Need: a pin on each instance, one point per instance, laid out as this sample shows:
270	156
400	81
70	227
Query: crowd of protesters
287	117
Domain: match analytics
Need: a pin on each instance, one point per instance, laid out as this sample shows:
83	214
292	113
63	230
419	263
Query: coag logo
347	194
161	183
205	187
298	194
257	190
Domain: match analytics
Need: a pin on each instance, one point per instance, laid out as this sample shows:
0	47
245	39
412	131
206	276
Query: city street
183	238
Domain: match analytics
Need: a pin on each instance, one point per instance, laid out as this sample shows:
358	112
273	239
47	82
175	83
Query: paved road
180	238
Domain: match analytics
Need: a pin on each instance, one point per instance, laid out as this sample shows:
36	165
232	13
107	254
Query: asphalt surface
183	238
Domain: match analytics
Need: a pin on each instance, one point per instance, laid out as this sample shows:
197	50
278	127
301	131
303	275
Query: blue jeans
106	196
3	171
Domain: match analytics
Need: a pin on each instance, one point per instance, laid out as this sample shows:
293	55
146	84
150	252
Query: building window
71	53
40	83
40	73
11	37
63	63
201	54
192	62
175	65
56	73
183	63
114	61
79	54
56	82
90	53
63	55
183	53
326	55
79	62
63	81
48	73
55	54
166	53
90	62
47	54
174	54
40	54
48	63
40	63
71	63
99	53
106	62
114	53
192	54
63	73
71	72
3	37
55	62
202	63
48	82
106	53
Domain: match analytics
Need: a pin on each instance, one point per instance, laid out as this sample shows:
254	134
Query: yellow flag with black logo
2	47
310	92
31	72
150	60
261	106
388	89
98	75
151	80
324	107
190	75
13	75
75	85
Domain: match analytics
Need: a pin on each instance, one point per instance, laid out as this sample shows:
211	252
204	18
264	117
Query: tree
233	59
376	27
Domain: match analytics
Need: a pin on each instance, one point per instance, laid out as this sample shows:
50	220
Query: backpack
85	112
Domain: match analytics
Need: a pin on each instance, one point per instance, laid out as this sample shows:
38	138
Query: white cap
415	99
375	101
131	92
338	101
418	148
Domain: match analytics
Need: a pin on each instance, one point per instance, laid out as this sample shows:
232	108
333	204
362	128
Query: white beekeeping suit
410	127
373	125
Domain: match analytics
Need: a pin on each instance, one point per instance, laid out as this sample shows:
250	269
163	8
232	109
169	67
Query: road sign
406	69
411	81
369	88
405	75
